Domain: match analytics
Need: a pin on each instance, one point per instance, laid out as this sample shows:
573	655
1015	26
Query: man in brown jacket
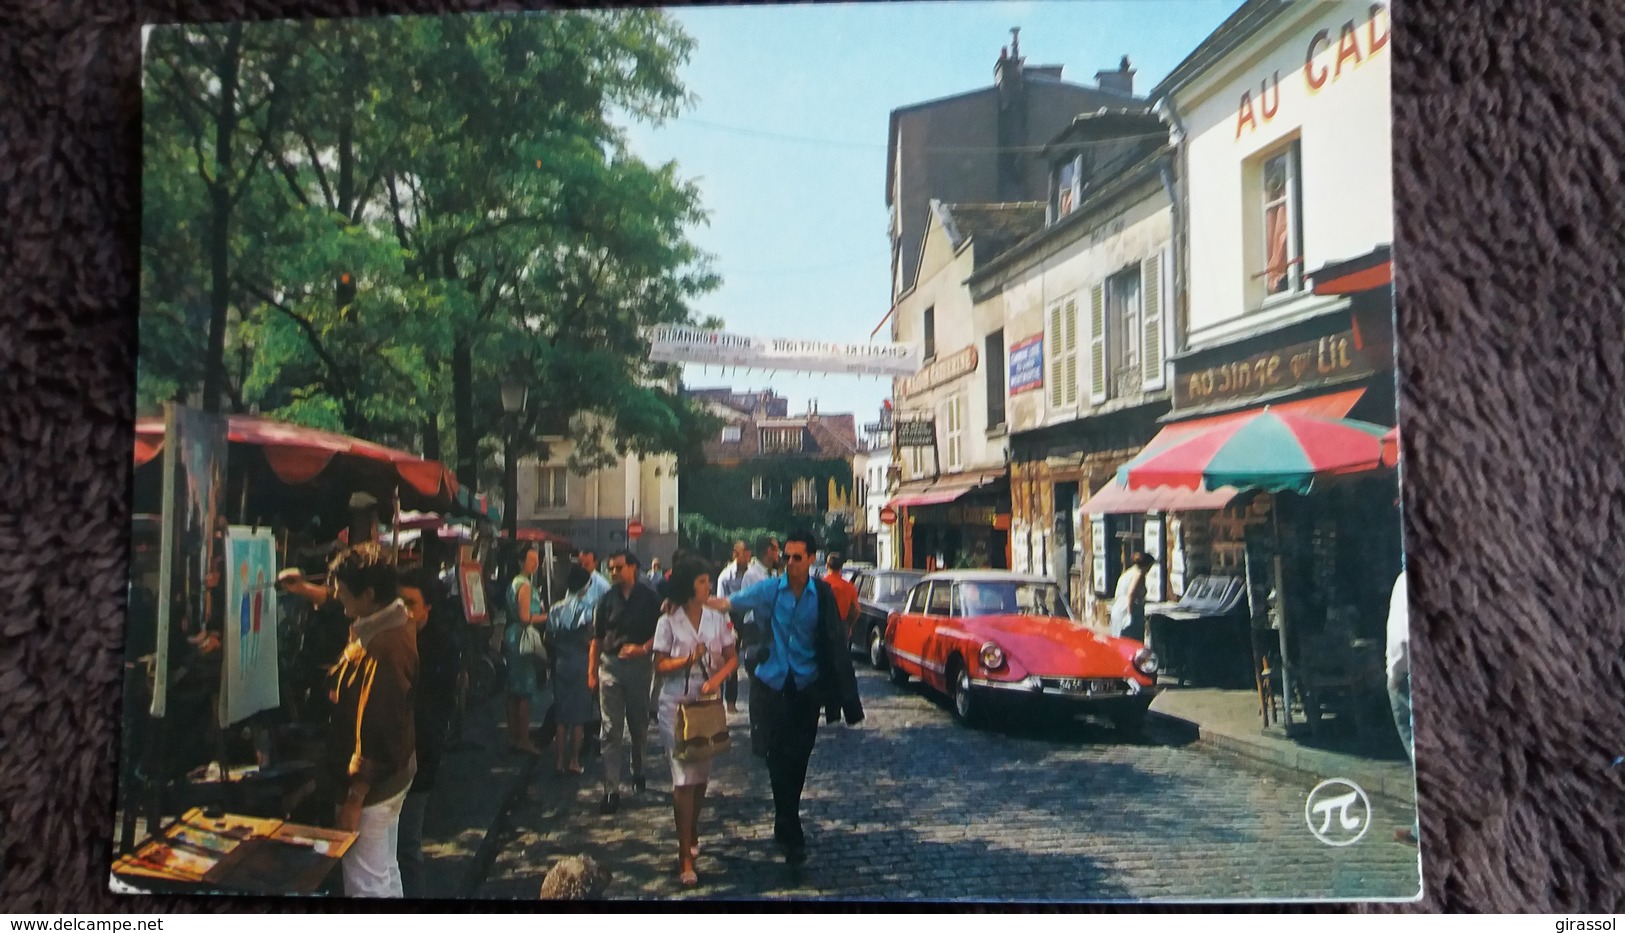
371	743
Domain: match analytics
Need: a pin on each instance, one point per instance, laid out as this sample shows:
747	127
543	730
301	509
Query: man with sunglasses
800	665
620	669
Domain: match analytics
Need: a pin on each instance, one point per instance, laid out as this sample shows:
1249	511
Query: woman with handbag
569	630
694	654
521	646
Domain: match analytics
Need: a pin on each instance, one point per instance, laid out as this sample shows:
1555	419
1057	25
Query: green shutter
1099	377
1151	320
1057	351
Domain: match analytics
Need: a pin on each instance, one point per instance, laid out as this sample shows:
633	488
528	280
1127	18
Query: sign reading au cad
678	344
1027	365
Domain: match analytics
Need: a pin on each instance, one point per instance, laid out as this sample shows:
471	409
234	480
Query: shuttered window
1099	371
1154	293
994	363
1063	347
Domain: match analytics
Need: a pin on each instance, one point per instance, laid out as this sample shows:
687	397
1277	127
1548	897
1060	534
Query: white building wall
1262	98
644	488
941	289
1029	290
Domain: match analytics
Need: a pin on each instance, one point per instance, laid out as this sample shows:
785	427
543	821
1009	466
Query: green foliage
697	533
723	495
469	174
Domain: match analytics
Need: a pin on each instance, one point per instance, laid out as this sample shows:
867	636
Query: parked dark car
880	593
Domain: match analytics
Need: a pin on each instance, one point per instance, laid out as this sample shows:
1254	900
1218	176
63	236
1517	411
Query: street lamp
514	394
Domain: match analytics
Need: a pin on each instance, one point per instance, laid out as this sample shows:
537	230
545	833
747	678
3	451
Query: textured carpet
1508	140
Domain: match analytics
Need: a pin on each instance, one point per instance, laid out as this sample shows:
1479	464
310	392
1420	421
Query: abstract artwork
249	677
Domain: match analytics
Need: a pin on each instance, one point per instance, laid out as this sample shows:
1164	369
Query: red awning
1115	499
298	454
946	490
929	497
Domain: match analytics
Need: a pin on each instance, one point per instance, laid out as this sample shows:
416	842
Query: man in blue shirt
802	665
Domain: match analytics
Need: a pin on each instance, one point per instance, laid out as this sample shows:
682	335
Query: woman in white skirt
694	654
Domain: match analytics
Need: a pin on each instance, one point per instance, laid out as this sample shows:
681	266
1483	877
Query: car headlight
1145	661
992	656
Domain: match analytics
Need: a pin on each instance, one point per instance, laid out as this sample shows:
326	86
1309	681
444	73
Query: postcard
984	413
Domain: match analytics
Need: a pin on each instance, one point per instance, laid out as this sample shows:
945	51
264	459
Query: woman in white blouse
694	654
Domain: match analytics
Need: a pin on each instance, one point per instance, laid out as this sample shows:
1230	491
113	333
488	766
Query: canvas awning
299	454
944	490
1115	499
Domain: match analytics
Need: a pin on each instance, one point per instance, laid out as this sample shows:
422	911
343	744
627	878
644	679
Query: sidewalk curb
491	843
1303	762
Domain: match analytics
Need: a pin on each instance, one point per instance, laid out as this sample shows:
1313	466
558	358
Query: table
234	853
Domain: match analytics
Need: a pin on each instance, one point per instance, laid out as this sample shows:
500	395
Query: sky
787	143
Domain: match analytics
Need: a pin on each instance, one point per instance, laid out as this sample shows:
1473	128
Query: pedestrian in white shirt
740	572
1128	604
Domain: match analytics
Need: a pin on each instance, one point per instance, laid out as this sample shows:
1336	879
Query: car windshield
1009	597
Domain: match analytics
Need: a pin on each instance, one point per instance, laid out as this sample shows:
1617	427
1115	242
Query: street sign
634	530
888	516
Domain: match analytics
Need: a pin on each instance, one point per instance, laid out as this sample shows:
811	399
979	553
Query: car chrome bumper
1036	686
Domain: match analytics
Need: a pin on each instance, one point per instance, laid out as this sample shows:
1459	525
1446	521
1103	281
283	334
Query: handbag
701	726
530	640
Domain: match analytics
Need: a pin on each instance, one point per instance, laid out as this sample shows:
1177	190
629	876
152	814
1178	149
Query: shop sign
1355	43
1330	359
972	515
888	516
921	432
943	370
1027	365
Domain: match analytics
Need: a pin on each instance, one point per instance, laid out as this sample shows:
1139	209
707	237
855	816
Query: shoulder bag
702	724
530	639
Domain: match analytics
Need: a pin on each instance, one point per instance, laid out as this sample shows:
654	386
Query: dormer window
730	434
1068	187
780	440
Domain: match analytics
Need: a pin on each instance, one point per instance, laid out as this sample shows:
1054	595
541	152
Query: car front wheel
877	649
967	709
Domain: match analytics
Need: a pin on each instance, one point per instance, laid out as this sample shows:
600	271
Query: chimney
1007	71
1011	131
1120	81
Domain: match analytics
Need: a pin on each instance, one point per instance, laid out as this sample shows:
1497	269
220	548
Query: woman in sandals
525	608
569	627
694	654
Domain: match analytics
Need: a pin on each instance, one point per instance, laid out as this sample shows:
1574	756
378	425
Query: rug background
1507	142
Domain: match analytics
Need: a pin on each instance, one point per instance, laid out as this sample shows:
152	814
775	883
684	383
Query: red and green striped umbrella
1265	450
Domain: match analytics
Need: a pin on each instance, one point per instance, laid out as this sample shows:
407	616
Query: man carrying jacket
801	666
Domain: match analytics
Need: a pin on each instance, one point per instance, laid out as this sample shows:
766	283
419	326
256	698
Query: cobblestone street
911	805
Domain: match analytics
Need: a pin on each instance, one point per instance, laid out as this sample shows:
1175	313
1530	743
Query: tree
467	176
220	97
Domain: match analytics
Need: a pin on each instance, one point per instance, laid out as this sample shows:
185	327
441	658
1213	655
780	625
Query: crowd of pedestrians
618	650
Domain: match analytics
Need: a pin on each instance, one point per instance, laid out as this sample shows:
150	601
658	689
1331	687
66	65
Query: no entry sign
888	516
